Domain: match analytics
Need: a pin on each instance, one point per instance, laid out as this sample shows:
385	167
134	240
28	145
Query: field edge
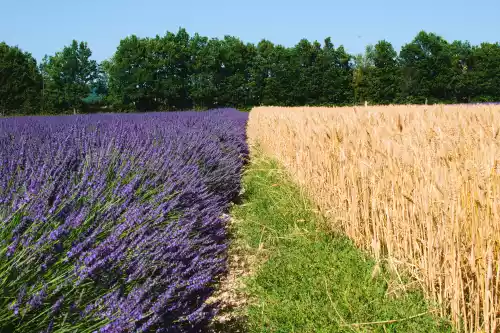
305	278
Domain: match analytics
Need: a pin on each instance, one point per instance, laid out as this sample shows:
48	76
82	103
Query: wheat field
416	186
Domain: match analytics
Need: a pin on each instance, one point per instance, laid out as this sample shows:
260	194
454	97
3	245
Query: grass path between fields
298	277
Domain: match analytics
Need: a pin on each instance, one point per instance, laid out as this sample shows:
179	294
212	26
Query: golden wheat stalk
418	185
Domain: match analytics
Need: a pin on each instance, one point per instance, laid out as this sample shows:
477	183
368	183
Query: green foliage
20	82
485	72
178	72
307	279
426	69
383	77
68	77
150	73
201	85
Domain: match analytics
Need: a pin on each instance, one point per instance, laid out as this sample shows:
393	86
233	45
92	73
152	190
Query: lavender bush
113	223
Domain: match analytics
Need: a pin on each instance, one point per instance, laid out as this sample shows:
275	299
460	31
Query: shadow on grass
234	325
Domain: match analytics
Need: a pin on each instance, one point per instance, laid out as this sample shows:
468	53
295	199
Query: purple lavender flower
57	305
121	214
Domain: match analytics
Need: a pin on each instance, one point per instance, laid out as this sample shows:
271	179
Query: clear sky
44	27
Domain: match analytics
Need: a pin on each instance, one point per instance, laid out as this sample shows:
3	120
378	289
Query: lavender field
115	223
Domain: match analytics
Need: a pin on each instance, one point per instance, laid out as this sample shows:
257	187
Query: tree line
178	72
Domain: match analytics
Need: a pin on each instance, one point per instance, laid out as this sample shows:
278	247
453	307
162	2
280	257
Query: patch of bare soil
231	294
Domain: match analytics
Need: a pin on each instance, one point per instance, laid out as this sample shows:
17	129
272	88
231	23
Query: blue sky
44	27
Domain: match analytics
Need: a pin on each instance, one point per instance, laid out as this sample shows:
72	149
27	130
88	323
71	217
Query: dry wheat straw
416	185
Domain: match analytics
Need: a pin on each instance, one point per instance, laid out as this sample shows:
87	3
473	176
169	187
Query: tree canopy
20	82
177	71
68	77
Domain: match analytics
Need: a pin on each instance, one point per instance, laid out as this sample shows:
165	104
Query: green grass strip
308	279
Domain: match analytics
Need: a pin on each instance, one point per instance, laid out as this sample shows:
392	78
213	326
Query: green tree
363	67
376	76
427	70
204	64
259	71
333	71
68	77
307	89
98	92
384	82
233	72
147	74
177	71
131	75
281	77
169	61
485	72
20	82
463	84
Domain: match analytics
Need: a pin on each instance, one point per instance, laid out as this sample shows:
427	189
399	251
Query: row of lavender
114	223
